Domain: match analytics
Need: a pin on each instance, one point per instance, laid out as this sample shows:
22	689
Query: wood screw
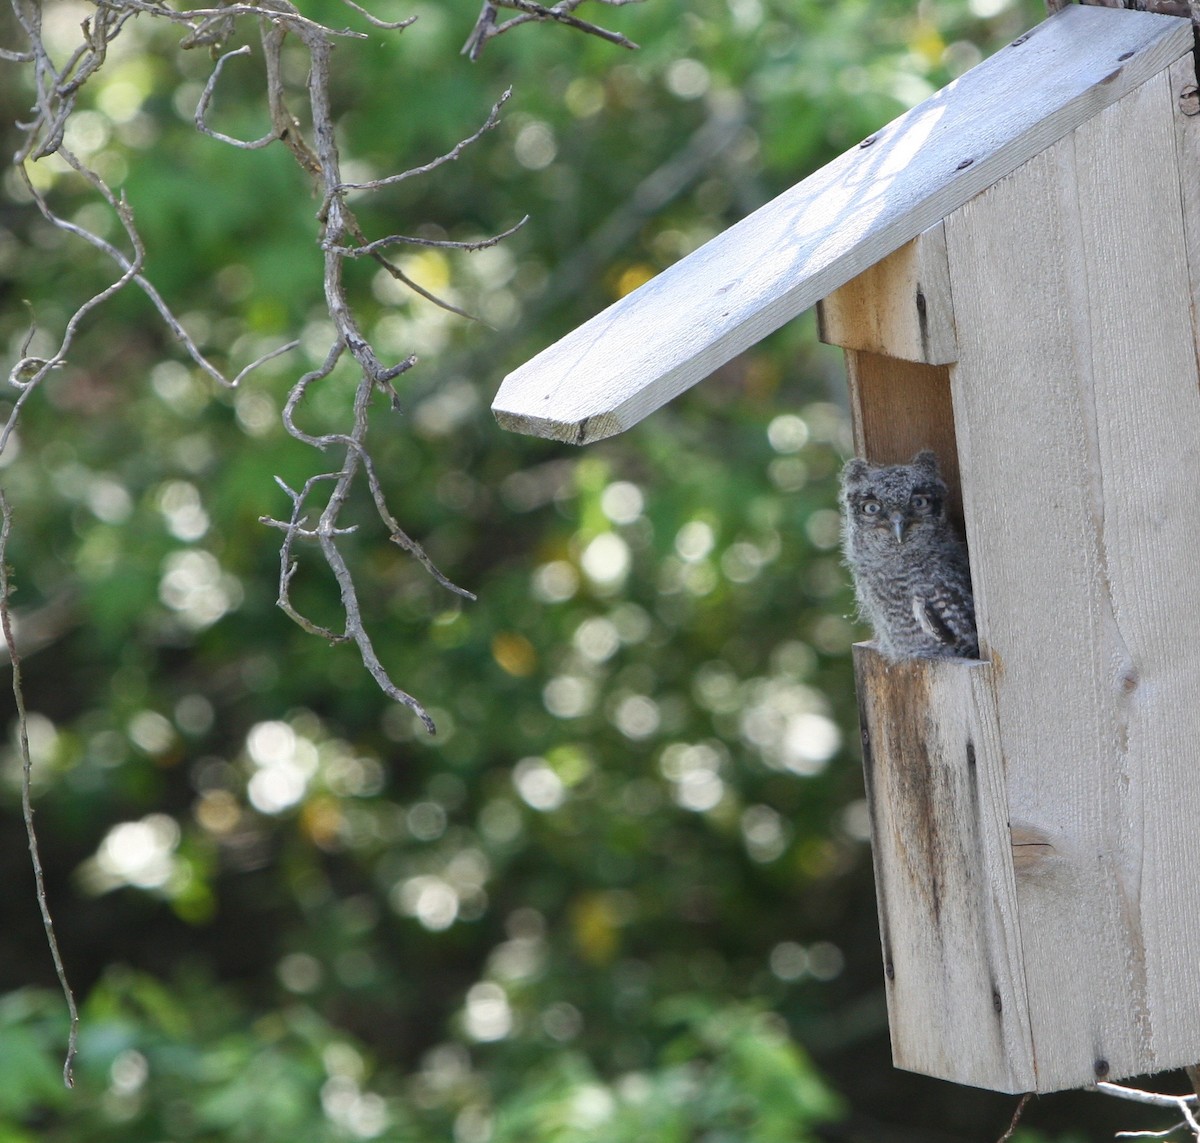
1189	100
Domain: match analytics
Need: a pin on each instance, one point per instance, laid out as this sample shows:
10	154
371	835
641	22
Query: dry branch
323	495
486	27
1184	1104
340	237
39	879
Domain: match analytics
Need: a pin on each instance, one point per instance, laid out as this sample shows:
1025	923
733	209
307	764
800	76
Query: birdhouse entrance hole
896	325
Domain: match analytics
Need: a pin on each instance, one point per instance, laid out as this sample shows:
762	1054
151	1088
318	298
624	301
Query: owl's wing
947	614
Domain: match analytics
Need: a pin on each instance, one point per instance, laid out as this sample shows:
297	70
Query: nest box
1013	269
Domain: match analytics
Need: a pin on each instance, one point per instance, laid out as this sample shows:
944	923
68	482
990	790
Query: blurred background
624	894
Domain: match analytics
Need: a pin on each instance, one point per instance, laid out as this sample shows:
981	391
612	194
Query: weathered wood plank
1187	147
1077	406
676	329
944	881
900	307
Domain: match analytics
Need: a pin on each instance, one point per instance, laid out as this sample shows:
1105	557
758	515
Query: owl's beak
897	519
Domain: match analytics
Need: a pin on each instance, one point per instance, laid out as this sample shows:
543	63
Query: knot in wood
1189	100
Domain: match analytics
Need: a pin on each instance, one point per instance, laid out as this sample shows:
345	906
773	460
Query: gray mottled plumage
910	568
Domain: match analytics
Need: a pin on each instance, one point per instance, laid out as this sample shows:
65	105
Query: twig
386	25
1136	1095
341	238
282	13
39	878
1193	1075
486	27
439	243
1012	1127
206	96
1182	1103
449	157
400	276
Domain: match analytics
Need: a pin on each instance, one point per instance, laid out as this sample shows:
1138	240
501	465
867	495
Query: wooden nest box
1013	269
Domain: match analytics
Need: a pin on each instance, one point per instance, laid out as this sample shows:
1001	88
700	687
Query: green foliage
183	1064
728	1073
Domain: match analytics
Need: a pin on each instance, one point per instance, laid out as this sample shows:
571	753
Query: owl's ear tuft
854	470
926	459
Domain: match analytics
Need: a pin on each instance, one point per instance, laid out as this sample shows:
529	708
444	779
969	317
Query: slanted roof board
779	261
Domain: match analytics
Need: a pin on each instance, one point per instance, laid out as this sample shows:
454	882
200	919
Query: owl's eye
920	503
871	508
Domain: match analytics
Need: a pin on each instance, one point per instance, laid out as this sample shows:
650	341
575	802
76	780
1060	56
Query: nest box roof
779	261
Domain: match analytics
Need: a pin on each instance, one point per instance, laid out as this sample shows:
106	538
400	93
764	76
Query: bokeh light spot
606	560
487	1016
539	786
622	502
514	654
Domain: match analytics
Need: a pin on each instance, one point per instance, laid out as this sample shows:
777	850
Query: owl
910	568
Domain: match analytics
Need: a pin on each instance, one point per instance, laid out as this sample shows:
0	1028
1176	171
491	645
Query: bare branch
1136	1095
486	27
437	243
1016	1118
27	373
282	13
288	565
246	370
1151	1134
401	276
39	878
386	25
316	152
1193	1074
400	537
449	157
202	108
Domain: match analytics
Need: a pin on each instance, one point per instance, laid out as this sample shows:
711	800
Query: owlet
910	568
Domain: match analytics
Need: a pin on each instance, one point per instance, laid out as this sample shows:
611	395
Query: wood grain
934	775
1187	147
1077	407
779	261
900	307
